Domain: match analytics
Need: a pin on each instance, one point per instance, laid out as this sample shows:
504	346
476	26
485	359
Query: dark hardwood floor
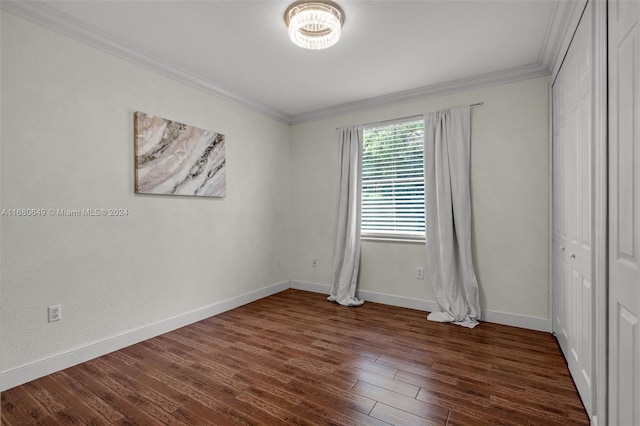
294	358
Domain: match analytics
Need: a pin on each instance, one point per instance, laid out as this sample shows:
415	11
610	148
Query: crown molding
431	91
41	14
564	20
558	27
563	17
573	14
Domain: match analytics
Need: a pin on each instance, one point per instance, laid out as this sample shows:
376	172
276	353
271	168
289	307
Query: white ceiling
389	50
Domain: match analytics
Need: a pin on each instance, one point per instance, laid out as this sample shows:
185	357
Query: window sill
394	240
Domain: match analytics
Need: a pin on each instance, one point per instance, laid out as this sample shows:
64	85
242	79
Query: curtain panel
448	216
346	253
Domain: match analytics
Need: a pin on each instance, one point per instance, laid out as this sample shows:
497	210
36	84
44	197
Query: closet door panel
624	212
573	319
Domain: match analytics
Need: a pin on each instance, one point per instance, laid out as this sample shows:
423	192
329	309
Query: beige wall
509	185
66	142
67	114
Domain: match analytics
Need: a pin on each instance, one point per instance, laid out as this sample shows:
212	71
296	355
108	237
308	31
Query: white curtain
448	216
346	254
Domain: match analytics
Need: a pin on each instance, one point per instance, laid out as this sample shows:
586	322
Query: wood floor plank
197	388
18	407
475	418
398	417
132	411
391	384
431	412
76	409
294	358
457	401
426	378
273	411
324	395
548	412
83	393
410	365
368	365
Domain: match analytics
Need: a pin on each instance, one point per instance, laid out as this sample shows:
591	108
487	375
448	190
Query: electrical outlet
277	263
55	313
420	273
314	262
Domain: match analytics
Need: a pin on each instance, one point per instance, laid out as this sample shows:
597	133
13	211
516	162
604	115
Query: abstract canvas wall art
177	159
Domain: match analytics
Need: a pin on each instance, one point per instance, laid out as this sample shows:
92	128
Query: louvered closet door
573	319
624	212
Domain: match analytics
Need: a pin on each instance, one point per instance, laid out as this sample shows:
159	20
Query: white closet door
573	319
624	212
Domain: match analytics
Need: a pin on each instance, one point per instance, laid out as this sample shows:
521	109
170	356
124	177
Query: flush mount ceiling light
314	24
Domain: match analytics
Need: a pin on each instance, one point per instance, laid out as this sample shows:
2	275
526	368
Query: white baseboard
35	370
57	362
313	287
514	320
401	301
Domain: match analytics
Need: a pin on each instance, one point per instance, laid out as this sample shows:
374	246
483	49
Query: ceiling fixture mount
314	24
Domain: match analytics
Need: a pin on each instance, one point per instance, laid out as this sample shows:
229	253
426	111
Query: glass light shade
314	24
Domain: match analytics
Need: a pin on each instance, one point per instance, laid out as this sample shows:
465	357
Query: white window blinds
393	180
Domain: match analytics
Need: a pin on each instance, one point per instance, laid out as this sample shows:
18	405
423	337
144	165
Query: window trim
390	236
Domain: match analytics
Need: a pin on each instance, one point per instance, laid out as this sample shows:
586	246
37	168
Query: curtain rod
408	118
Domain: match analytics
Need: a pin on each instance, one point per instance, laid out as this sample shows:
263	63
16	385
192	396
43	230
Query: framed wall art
173	158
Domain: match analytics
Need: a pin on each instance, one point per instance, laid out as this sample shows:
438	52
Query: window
393	180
